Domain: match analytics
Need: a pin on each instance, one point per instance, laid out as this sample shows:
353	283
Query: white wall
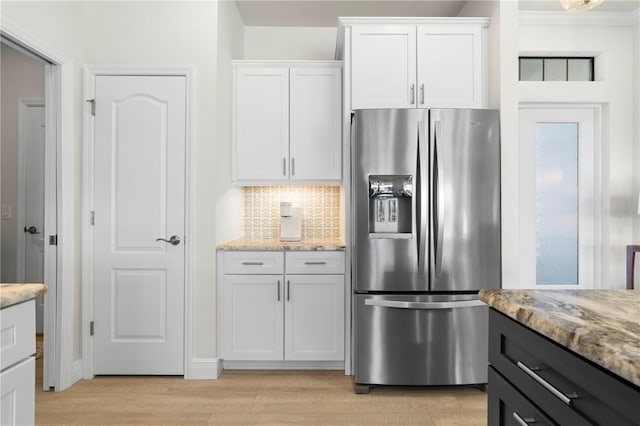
614	48
227	210
22	77
290	42
489	9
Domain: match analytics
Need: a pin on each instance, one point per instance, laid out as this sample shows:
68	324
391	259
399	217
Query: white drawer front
253	262
17	332
315	262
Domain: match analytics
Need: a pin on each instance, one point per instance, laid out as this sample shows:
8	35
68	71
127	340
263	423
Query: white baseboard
284	365
76	371
205	369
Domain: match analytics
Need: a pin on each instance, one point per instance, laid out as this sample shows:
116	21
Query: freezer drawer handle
523	421
401	304
548	386
315	263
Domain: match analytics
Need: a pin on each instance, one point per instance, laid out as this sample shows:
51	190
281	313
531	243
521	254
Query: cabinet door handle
413	94
253	263
548	386
523	421
284	166
292	166
278	290
288	290
315	263
422	94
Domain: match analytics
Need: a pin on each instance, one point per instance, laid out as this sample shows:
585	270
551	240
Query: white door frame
59	273
21	204
595	206
90	73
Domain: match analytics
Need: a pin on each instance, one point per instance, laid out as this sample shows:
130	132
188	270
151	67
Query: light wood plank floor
254	398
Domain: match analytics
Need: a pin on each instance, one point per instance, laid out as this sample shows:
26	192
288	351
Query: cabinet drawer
315	262
568	388
507	406
253	262
17	385
17	332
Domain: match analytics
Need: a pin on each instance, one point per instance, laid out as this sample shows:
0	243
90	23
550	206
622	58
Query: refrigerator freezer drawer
421	340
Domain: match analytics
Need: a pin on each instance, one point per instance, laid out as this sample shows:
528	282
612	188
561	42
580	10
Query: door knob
31	230
174	240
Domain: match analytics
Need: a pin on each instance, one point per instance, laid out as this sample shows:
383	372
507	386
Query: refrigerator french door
426	223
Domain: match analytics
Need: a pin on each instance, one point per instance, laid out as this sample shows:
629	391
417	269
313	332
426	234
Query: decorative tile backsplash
320	210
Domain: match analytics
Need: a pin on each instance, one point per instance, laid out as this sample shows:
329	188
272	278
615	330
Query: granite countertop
274	244
600	325
12	294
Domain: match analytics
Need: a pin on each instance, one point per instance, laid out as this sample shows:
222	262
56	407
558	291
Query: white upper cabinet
450	66
315	124
287	122
261	123
383	67
423	63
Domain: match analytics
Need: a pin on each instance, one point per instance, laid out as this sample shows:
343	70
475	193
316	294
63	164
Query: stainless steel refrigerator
426	239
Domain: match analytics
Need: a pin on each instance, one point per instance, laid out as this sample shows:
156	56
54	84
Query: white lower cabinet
281	316
17	377
314	318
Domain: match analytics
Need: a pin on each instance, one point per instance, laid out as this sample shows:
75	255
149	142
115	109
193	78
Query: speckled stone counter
600	325
274	244
11	294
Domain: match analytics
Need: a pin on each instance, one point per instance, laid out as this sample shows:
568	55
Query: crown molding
579	18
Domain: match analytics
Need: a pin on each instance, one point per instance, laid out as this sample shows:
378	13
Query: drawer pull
253	263
548	386
521	421
315	263
278	290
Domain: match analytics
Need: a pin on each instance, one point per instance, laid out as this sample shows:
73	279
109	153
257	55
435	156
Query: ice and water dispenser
390	200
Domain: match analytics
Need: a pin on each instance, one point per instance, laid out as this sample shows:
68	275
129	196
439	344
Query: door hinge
53	240
93	106
91	328
92	217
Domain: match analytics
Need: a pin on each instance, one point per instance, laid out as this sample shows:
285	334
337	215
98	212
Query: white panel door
261	149
32	190
139	197
252	317
450	67
383	67
314	317
17	393
315	124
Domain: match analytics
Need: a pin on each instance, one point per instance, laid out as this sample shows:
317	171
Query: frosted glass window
555	70
579	70
530	69
557	203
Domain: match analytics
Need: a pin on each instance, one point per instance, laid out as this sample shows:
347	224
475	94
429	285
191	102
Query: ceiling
325	13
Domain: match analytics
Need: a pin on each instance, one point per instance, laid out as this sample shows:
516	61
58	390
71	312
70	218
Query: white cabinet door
314	317
315	124
253	317
383	67
261	148
17	394
450	66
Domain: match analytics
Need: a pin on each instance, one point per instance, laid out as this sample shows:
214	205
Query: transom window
553	68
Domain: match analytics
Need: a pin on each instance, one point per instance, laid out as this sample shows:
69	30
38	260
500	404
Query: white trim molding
205	368
579	18
193	368
60	260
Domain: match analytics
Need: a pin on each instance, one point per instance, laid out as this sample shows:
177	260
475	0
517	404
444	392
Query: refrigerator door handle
422	199
437	203
401	304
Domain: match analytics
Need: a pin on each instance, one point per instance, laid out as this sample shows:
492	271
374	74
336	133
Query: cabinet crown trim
243	63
